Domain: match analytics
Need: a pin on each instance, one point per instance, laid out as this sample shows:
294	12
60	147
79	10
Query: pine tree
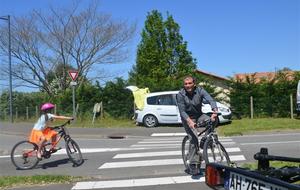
162	56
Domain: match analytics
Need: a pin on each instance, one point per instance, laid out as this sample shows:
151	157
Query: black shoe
55	149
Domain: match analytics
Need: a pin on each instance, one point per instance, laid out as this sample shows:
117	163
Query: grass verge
15	181
275	164
249	126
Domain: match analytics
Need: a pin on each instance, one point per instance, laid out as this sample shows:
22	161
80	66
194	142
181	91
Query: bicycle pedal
53	150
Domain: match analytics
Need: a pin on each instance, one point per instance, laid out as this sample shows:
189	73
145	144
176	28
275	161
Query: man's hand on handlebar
191	123
214	115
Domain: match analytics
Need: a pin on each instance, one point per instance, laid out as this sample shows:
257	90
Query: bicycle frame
63	133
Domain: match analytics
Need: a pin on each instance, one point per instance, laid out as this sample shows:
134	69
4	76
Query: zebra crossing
150	162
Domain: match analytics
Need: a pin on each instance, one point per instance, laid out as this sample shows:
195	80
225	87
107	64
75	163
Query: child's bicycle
209	143
24	153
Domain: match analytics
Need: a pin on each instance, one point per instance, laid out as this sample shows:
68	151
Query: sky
226	37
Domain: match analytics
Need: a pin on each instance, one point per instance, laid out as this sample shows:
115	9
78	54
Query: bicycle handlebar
64	124
204	123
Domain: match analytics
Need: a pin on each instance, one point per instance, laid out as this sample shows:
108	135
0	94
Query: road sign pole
73	84
74	112
73	74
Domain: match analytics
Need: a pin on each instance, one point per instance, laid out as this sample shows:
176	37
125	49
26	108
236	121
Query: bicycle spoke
74	152
215	152
24	155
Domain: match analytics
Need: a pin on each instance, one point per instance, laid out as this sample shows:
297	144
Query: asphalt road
144	159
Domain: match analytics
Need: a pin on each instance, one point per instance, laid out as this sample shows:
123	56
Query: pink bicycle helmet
47	106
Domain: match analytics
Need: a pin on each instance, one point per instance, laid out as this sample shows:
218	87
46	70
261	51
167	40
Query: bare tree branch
44	47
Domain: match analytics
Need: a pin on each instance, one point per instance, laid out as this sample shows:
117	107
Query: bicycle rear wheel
74	152
24	155
217	152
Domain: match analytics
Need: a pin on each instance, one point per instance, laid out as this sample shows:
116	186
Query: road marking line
96	150
162	153
126	164
173	141
141	163
158	142
159	145
136	182
169	134
270	135
278	142
154	145
232	158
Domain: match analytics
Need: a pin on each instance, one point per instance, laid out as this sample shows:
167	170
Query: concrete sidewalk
24	129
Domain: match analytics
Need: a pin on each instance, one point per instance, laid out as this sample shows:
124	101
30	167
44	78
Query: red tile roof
211	75
258	76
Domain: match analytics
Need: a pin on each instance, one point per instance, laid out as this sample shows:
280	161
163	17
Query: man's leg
193	134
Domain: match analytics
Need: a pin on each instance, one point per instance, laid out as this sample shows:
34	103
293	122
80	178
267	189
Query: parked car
161	108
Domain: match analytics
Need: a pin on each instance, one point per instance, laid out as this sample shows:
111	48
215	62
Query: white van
161	108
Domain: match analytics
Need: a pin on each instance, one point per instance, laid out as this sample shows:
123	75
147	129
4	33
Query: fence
32	113
26	113
256	107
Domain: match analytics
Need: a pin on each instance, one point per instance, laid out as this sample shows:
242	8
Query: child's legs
43	140
50	134
53	139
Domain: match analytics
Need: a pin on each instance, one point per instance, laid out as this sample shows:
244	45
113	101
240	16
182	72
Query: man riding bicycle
189	100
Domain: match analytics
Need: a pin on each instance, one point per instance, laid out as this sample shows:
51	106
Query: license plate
237	181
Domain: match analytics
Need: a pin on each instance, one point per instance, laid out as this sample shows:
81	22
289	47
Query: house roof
211	75
258	76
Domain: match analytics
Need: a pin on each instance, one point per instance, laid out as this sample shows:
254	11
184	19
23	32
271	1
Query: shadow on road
55	163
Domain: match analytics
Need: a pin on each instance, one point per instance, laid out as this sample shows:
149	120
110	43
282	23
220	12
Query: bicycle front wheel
191	162
185	151
214	152
24	155
74	152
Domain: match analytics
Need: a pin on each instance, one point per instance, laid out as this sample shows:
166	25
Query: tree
117	100
77	38
162	55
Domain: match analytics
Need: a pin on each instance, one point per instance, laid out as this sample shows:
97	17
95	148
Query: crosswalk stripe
159	162
170	135
232	158
173	141
141	163
163	153
136	182
173	144
167	134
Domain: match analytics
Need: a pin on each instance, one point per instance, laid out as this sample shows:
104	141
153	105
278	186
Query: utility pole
7	18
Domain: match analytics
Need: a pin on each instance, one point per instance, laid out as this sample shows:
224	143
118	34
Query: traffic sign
73	83
73	74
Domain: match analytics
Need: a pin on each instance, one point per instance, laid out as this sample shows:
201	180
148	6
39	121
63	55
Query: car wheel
150	121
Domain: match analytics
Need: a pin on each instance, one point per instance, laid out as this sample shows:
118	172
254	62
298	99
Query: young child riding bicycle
42	132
